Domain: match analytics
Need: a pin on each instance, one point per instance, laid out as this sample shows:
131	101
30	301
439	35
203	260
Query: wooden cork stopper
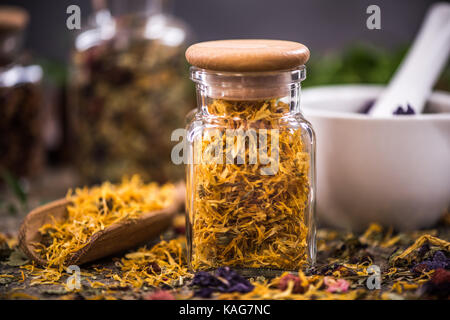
252	55
13	18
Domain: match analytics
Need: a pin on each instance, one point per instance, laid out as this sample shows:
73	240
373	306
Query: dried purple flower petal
400	111
224	280
439	261
204	279
204	292
423	250
239	287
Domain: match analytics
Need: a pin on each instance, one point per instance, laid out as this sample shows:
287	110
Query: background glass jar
250	173
21	139
129	91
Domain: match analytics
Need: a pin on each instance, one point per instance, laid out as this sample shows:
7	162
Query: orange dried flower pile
238	216
93	209
164	263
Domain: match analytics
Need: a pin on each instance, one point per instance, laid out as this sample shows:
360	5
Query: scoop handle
414	79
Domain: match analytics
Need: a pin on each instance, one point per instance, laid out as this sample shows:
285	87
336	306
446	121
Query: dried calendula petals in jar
250	166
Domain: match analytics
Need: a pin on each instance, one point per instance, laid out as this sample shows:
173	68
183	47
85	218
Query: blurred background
323	25
327	27
55	83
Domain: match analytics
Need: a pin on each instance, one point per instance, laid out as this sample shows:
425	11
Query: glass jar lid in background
13	21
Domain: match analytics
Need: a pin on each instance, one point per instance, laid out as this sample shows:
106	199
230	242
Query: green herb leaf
14	185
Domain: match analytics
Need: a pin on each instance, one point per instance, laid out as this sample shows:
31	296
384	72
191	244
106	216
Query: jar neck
249	109
127	21
248	95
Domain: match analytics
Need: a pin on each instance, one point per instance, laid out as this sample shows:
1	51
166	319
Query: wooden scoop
115	238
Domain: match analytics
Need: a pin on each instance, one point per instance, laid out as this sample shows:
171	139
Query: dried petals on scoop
94	209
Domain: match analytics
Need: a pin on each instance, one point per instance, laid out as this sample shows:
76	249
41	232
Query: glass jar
129	91
250	173
21	139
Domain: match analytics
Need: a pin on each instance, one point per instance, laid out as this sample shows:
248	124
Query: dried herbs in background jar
21	143
129	91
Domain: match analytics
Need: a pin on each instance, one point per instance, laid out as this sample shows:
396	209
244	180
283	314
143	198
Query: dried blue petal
204	292
205	279
401	111
224	280
241	287
424	249
439	261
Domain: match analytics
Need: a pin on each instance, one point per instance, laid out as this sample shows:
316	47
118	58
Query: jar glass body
129	91
21	117
250	174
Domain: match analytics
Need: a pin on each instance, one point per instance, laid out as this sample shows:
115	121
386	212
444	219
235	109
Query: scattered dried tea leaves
6	279
17	258
131	278
21	296
312	289
163	264
56	290
406	256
